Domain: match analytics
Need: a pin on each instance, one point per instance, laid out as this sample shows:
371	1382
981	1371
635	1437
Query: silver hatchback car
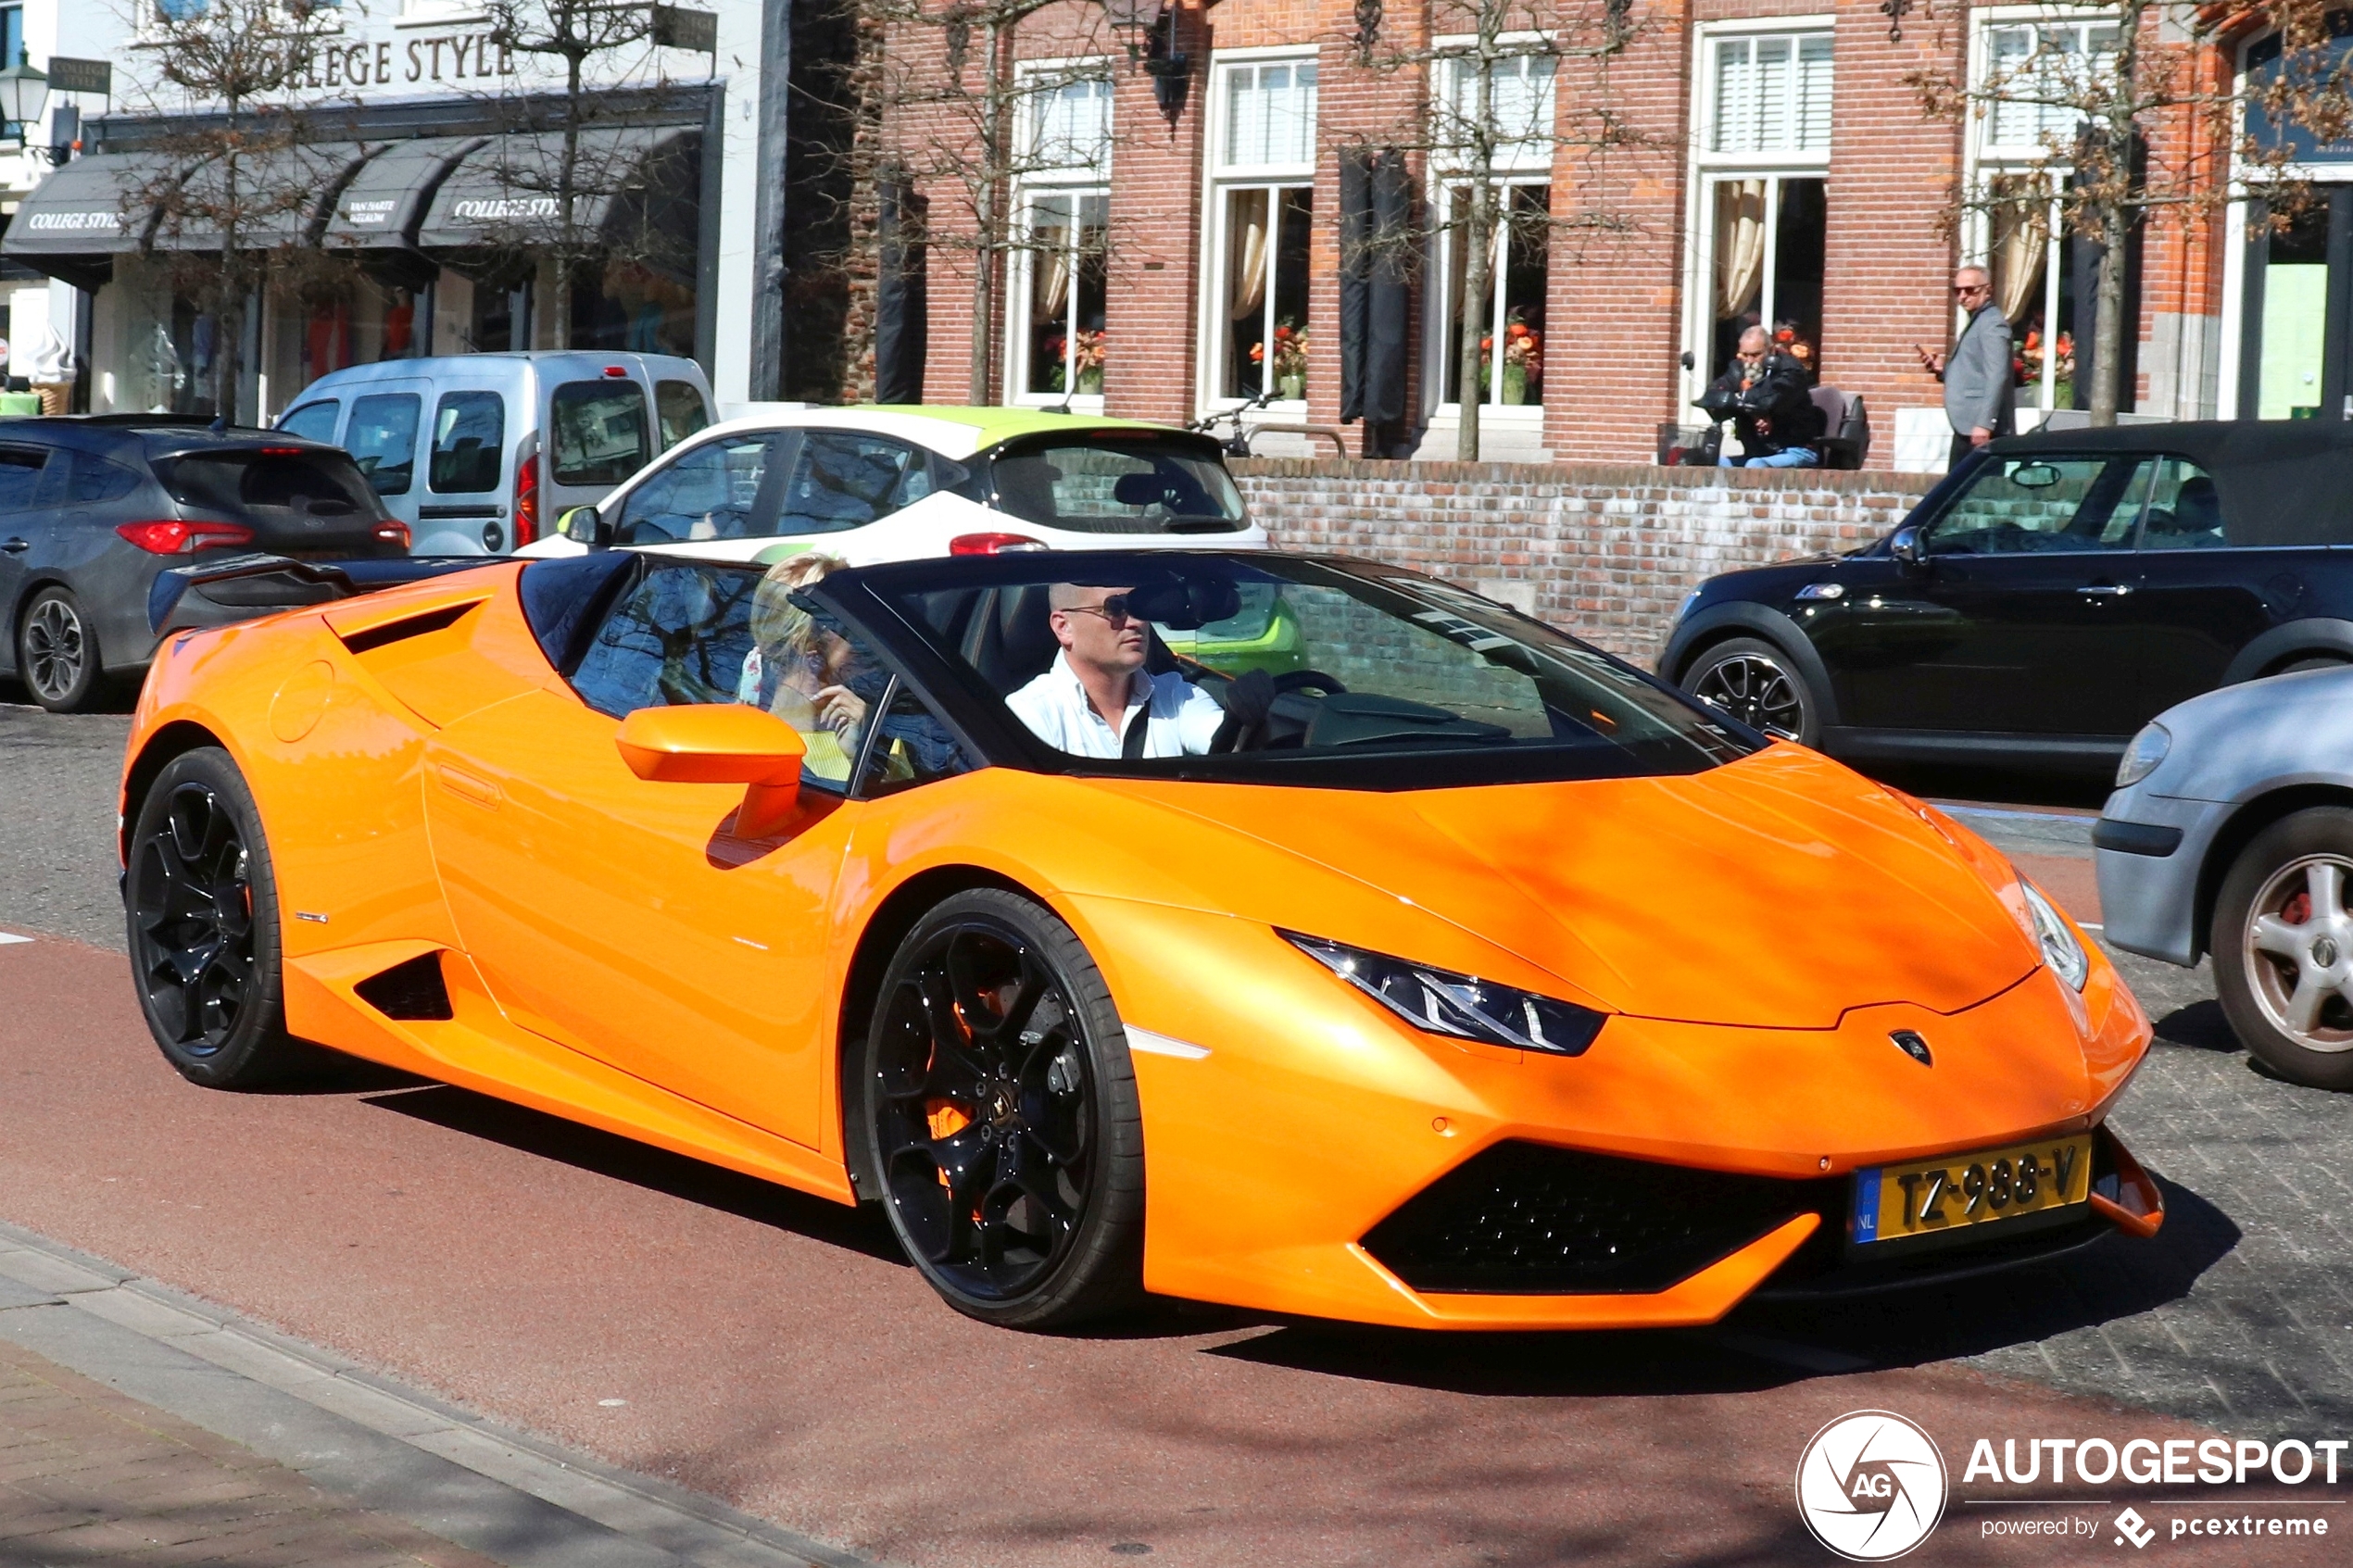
2231	832
480	453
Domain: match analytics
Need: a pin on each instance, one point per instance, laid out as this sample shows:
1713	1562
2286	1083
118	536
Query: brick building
1778	166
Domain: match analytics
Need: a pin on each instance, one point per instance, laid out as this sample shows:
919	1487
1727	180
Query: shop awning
86	212
506	194
385	202
277	197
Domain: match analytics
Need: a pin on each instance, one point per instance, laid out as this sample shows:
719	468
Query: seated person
1763	393
801	671
1097	700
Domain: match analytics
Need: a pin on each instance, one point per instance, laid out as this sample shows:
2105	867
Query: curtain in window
1049	230
1740	245
1246	253
2021	246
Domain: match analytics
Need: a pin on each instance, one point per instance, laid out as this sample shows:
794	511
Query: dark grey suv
90	509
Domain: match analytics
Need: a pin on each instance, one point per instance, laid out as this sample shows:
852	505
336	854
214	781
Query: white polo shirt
1182	719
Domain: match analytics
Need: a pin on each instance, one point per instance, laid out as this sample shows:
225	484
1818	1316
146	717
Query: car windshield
1105	485
1282	670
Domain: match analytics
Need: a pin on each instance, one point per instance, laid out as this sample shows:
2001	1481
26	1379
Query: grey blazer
1979	380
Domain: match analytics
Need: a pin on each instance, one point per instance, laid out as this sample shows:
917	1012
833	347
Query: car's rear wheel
1007	1144
57	652
2282	946
1759	685
201	901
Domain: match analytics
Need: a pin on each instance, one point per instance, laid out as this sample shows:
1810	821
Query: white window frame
1985	161
1222	180
1706	168
1531	165
1078	183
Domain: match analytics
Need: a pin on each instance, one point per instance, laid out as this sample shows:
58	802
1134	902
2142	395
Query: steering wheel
1237	734
1307	680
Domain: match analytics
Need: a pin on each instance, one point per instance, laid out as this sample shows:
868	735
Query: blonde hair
775	620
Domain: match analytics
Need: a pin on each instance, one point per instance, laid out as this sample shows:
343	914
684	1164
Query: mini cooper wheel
1008	1149
1759	685
57	652
202	906
2282	946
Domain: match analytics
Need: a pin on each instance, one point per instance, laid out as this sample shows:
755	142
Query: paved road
775	1352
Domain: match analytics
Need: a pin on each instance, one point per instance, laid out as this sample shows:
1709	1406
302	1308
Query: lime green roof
992	425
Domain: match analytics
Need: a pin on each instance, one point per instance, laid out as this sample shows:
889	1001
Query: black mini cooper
2048	597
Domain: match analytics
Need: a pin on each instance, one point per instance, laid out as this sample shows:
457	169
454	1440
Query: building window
1262	178
1509	318
2033	75
1058	345
1759	177
11	35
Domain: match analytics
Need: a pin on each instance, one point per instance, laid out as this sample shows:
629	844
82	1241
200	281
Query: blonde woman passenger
799	671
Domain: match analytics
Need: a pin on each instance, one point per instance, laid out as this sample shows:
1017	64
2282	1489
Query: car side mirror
721	743
1908	548
585	525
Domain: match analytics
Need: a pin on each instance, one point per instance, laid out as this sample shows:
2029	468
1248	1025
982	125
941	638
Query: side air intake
411	991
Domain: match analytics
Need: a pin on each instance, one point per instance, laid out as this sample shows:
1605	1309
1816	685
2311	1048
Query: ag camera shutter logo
1872	1485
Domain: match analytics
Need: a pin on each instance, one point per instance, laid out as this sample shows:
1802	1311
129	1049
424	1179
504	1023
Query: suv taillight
526	500
992	544
176	538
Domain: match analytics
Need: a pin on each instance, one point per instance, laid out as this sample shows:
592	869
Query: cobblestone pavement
88	1475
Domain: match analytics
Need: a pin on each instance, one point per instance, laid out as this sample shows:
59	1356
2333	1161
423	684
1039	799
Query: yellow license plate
1926	1197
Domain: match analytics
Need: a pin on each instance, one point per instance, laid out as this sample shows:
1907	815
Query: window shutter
1814	83
1270	115
1734	95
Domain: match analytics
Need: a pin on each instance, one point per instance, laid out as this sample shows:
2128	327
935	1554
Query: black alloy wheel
57	652
201	903
1756	684
1008	1147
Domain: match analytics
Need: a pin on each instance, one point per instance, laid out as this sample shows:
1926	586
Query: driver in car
1097	700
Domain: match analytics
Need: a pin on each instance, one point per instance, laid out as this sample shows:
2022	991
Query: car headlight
2141	758
1442	1002
2055	938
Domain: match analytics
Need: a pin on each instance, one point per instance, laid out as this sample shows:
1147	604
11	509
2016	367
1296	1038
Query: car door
2014	621
2210	583
621	918
380	434
465	480
24	525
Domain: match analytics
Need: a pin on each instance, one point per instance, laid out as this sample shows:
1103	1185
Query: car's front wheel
201	899
2282	946
57	652
1759	685
997	1093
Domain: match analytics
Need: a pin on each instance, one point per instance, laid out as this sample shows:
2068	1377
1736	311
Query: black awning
387	199
279	197
506	193
85	213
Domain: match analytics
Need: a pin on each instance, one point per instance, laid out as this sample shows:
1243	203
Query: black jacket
1775	391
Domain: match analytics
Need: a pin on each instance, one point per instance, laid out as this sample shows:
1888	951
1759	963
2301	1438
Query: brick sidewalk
89	1475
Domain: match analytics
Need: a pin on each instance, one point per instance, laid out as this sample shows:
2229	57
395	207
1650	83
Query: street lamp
1149	29
24	91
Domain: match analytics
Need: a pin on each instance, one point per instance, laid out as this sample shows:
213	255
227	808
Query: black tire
201	902
1009	1156
1758	684
2282	947
58	655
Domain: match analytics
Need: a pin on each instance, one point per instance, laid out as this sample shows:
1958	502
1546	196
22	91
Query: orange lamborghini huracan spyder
1289	932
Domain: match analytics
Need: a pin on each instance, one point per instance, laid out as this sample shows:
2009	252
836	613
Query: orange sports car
1294	933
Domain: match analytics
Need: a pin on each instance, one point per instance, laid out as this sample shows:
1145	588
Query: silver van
480	453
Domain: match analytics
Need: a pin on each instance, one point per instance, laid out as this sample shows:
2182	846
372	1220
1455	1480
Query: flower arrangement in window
2029	363
1523	359
1291	359
1093	349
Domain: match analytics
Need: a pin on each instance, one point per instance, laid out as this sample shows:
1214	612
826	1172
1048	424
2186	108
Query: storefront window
1264	174
1760	172
2294	318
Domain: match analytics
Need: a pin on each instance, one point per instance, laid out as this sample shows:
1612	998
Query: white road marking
8	936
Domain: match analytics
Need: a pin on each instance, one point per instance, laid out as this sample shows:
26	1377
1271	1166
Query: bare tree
1488	105
237	178
2132	128
961	119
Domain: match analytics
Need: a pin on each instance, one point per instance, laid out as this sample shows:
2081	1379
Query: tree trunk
2115	215
986	216
228	323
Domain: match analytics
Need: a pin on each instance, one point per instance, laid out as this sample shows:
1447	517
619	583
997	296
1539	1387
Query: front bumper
2149	901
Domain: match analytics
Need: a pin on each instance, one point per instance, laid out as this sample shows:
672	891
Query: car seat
2195	520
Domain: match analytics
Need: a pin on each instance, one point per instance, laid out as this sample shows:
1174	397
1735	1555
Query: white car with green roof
902	484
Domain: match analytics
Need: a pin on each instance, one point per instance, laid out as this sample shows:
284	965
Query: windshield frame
870	595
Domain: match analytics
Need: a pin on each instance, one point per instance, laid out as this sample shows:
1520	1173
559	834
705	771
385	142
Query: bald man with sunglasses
1098	700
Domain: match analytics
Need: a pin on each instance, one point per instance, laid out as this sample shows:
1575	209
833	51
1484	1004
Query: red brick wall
1157	227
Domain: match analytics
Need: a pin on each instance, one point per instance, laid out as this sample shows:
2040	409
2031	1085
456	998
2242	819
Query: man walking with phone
1978	376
